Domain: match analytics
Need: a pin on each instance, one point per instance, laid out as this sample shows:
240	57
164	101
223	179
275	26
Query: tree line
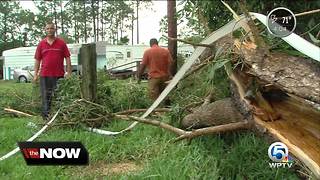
100	20
76	21
207	16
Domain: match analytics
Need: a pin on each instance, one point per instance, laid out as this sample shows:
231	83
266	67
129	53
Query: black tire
74	73
23	79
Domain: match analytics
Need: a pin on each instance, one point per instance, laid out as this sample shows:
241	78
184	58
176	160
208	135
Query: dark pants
47	87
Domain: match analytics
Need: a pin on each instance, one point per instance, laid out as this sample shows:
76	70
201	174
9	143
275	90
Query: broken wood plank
17	112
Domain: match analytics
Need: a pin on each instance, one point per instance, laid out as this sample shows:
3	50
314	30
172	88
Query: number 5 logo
277	151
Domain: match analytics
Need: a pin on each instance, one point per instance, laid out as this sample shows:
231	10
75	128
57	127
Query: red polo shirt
157	60
51	57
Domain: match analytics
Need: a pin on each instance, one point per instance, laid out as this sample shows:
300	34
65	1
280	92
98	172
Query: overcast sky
148	20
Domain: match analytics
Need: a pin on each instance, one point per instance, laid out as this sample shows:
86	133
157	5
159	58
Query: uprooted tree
275	92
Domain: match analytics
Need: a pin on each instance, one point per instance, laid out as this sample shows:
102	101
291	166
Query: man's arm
141	71
143	65
69	68
36	70
38	58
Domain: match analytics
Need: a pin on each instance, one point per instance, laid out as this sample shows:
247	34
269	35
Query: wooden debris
130	111
189	134
16	112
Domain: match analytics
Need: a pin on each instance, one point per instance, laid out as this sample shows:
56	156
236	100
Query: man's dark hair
153	41
49	23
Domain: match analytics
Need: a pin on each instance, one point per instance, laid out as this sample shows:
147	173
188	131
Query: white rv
24	56
121	57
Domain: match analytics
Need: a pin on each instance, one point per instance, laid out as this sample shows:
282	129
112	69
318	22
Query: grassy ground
144	153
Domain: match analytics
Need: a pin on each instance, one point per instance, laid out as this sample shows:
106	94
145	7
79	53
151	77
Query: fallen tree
272	91
276	92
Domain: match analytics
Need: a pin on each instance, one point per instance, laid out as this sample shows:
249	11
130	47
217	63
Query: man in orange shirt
158	60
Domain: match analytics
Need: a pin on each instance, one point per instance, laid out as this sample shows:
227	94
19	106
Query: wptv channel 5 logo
279	154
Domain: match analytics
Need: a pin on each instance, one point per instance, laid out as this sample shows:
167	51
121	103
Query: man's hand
67	75
35	78
36	71
69	68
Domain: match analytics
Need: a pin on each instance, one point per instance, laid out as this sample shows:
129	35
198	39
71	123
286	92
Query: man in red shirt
50	53
158	60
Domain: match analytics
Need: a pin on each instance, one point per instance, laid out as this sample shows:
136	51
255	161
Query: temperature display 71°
281	22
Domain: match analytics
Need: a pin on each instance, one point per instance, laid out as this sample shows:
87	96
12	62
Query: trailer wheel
22	79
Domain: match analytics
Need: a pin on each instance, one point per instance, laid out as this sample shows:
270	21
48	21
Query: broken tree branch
154	123
307	12
189	134
254	29
208	99
191	43
237	17
17	112
213	130
89	102
130	111
198	67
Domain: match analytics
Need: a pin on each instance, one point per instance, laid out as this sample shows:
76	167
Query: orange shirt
157	60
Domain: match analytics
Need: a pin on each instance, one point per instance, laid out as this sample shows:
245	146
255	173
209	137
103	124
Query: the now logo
54	153
57	153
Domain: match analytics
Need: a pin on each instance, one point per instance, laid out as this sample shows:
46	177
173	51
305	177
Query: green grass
21	96
239	155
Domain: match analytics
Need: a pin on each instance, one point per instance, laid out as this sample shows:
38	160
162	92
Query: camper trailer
110	57
22	57
125	57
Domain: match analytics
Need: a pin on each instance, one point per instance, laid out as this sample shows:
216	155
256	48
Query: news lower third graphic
278	152
54	153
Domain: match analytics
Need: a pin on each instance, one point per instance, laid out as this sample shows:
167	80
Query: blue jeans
47	88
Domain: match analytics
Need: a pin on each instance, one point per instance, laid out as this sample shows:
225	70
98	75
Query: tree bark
89	71
213	114
295	75
137	21
85	22
172	32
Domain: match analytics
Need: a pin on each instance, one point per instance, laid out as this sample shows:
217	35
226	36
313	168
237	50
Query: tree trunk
278	93
61	13
85	22
210	115
97	20
132	25
55	17
295	75
172	32
93	20
138	21
5	28
75	22
102	21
